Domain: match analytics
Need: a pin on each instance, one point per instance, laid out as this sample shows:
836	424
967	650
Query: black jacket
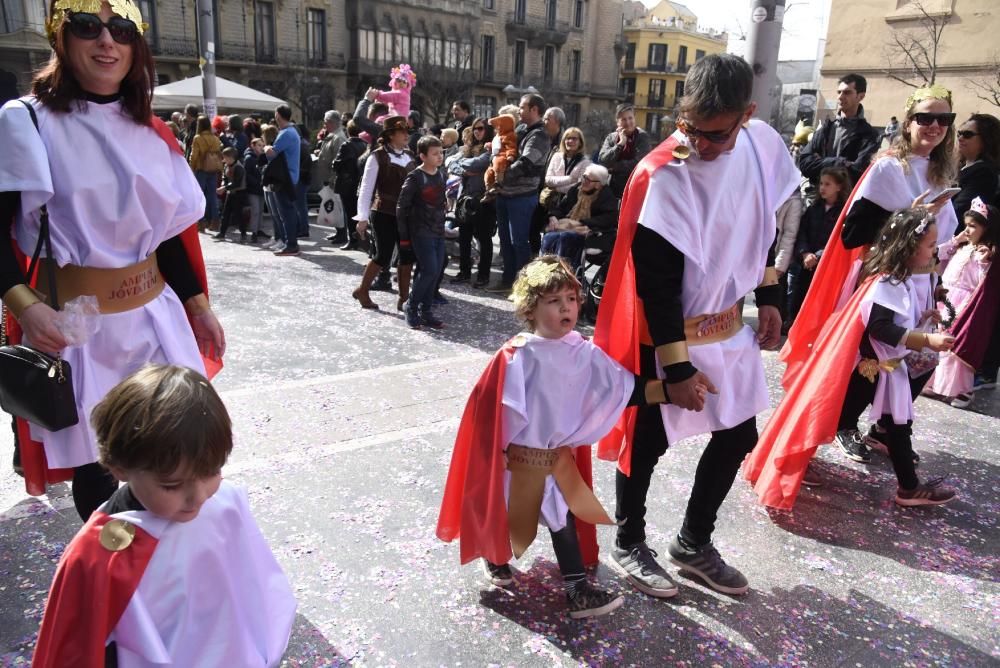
253	165
860	143
978	179
603	210
346	166
815	229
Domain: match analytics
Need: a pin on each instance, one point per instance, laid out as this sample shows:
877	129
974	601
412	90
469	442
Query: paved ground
345	420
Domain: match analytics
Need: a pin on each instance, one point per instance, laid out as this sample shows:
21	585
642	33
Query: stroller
592	271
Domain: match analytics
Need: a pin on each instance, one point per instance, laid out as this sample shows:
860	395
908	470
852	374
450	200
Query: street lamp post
206	49
763	43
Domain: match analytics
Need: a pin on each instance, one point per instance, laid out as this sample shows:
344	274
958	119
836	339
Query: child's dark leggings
567	548
860	394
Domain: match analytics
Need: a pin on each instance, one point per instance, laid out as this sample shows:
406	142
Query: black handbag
276	174
34	385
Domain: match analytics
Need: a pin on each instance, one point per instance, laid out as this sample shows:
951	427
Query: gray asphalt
345	421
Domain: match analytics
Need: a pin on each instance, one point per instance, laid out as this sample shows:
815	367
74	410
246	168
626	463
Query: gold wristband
197	305
655	392
770	277
19	298
672	353
916	340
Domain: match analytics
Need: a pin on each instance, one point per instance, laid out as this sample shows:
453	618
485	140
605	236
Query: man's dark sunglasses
967	134
713	137
83	25
924	118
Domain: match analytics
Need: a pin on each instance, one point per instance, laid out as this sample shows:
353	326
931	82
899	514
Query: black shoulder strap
43	234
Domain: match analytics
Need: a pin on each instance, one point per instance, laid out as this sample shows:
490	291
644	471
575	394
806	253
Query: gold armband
197	305
672	353
20	297
770	277
655	392
916	340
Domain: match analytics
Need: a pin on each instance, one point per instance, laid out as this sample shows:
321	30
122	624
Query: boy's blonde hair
449	134
163	419
547	273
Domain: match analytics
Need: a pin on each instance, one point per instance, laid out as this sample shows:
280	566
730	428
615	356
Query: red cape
91	589
621	320
808	414
37	474
824	292
474	508
974	326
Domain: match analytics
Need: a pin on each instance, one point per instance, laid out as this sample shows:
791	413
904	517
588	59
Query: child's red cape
621	320
824	292
474	508
37	474
90	591
808	414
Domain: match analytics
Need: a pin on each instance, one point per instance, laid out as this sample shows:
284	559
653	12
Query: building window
316	35
435	55
550	14
401	45
264	28
12	15
366	45
486	57
575	66
682	59
630	56
657	59
484	106
520	10
657	88
572	113
549	63
385	44
653	124
627	89
678	91
465	56
578	14
490	5
148	10
418	49
452	55
698	55
520	48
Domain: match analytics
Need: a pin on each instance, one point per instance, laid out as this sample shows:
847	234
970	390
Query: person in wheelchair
588	209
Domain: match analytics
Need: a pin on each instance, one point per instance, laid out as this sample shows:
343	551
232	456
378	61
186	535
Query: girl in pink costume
967	258
401	80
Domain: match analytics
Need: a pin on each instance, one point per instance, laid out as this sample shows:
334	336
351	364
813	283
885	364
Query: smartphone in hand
945	195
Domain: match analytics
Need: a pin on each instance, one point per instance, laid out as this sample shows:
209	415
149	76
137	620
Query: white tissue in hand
79	320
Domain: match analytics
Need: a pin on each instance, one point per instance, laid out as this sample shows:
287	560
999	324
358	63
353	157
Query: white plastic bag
331	209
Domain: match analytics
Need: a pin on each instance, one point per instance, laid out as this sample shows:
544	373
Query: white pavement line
295	457
351	375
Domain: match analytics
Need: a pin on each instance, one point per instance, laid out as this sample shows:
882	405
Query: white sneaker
961	401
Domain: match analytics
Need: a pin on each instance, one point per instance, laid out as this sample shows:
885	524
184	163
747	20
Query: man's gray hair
559	114
717	84
598	173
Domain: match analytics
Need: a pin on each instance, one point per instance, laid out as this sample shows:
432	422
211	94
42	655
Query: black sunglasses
967	134
477	128
924	118
713	137
84	25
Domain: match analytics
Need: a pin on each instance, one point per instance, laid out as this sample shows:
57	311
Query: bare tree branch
988	90
912	53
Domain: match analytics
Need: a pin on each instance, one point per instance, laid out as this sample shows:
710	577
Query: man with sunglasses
696	234
847	140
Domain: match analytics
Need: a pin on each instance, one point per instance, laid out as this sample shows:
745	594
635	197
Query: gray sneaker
853	447
638	564
707	563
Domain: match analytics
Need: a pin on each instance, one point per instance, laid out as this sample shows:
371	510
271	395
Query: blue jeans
430	260
209	181
302	206
277	227
565	244
514	223
289	218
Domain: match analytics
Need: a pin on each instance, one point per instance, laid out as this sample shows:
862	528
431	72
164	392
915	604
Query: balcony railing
536	31
241	52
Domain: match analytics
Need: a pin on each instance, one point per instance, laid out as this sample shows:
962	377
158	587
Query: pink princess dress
401	82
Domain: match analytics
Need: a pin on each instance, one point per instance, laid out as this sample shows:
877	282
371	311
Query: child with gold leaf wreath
522	454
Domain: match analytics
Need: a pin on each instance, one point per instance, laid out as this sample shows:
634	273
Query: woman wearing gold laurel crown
119	201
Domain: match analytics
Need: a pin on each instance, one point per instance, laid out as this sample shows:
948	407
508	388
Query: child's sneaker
427	319
708	564
930	493
413	319
589	601
499	576
984	382
850	443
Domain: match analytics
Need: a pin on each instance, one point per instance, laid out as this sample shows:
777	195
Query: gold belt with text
117	290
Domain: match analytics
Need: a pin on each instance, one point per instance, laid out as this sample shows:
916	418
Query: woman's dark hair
990	225
203	124
842	179
717	84
57	88
897	242
474	148
235	124
988	128
353	129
